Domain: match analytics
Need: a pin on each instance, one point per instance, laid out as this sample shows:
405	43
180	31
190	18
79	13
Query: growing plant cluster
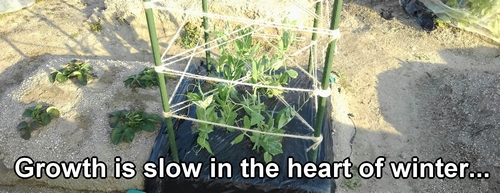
75	68
147	78
190	36
228	106
40	115
125	124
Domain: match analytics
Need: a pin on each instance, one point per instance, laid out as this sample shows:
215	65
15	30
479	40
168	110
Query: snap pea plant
226	106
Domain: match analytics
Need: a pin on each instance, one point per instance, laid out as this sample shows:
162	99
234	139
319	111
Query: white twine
335	34
148	4
288	58
296	114
317	140
182	77
208	43
323	93
176	35
316	143
162	69
246	20
308	10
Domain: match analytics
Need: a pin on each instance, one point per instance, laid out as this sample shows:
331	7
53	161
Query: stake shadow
452	108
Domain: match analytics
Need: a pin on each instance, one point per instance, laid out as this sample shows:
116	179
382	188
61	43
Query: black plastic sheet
220	142
420	13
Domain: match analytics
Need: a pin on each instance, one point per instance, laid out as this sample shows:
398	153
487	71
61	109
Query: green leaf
256	117
61	78
53	112
117	134
86	67
26	133
283	79
82	79
38	107
246	122
153	118
234	95
53	76
204	103
267	157
22	125
255	49
129	134
231	118
204	143
75	73
200	112
34	125
238	139
273	147
45	119
284	116
194	96
238	45
115	117
281	45
113	121
149	127
292	73
28	113
128	82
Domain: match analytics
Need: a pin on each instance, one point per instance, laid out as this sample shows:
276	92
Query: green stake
205	26
161	80
325	83
314	37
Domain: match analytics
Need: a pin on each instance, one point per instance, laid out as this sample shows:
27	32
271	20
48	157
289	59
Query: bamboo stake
205	26
320	115
161	80
314	37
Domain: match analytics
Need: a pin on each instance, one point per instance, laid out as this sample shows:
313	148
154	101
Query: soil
400	91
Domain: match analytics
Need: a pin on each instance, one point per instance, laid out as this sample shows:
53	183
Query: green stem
205	26
161	80
314	37
254	72
320	115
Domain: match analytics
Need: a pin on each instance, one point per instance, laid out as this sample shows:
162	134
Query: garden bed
82	129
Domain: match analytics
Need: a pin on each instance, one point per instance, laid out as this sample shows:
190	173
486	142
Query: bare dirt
409	92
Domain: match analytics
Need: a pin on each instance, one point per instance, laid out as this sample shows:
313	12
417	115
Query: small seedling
125	124
355	181
40	115
190	36
75	68
96	27
147	78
